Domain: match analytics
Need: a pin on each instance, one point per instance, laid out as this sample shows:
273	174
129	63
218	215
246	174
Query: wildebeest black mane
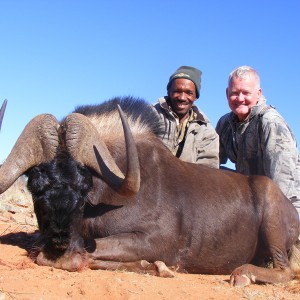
137	109
59	187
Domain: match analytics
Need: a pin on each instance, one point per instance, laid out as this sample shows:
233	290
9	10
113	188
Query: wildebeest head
60	158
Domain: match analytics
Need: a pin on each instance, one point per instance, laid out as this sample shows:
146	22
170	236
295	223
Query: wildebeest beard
59	190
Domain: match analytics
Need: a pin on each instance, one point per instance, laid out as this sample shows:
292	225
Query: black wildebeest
109	195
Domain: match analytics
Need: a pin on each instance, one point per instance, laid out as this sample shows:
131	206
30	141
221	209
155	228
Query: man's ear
259	93
227	96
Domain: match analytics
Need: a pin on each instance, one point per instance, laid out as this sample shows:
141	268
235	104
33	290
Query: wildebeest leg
77	261
246	274
279	230
157	268
125	252
119	252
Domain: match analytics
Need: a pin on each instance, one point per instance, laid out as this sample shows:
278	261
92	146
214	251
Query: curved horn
85	145
133	176
37	143
2	110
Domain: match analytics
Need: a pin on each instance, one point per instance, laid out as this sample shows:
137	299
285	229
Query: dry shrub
17	192
16	203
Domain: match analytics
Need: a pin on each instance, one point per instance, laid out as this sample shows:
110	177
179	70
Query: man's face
182	94
242	94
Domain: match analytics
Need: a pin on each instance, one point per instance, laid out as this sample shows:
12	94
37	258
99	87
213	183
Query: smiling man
256	138
187	131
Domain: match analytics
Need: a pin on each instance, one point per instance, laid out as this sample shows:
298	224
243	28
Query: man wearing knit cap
187	131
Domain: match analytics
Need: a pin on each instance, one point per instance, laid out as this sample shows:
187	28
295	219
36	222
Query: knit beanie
190	73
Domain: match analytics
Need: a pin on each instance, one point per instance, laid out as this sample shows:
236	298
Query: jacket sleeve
207	147
280	153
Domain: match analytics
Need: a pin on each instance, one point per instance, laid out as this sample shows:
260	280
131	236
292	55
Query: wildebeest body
176	229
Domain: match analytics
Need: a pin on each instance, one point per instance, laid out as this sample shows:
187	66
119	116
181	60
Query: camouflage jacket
201	142
262	145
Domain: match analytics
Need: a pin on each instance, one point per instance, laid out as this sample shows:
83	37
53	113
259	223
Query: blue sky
56	55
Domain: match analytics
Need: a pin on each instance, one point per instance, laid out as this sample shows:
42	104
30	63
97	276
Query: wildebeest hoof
163	270
242	276
239	280
70	262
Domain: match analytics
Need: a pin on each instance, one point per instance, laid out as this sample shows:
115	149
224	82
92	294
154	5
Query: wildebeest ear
2	110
